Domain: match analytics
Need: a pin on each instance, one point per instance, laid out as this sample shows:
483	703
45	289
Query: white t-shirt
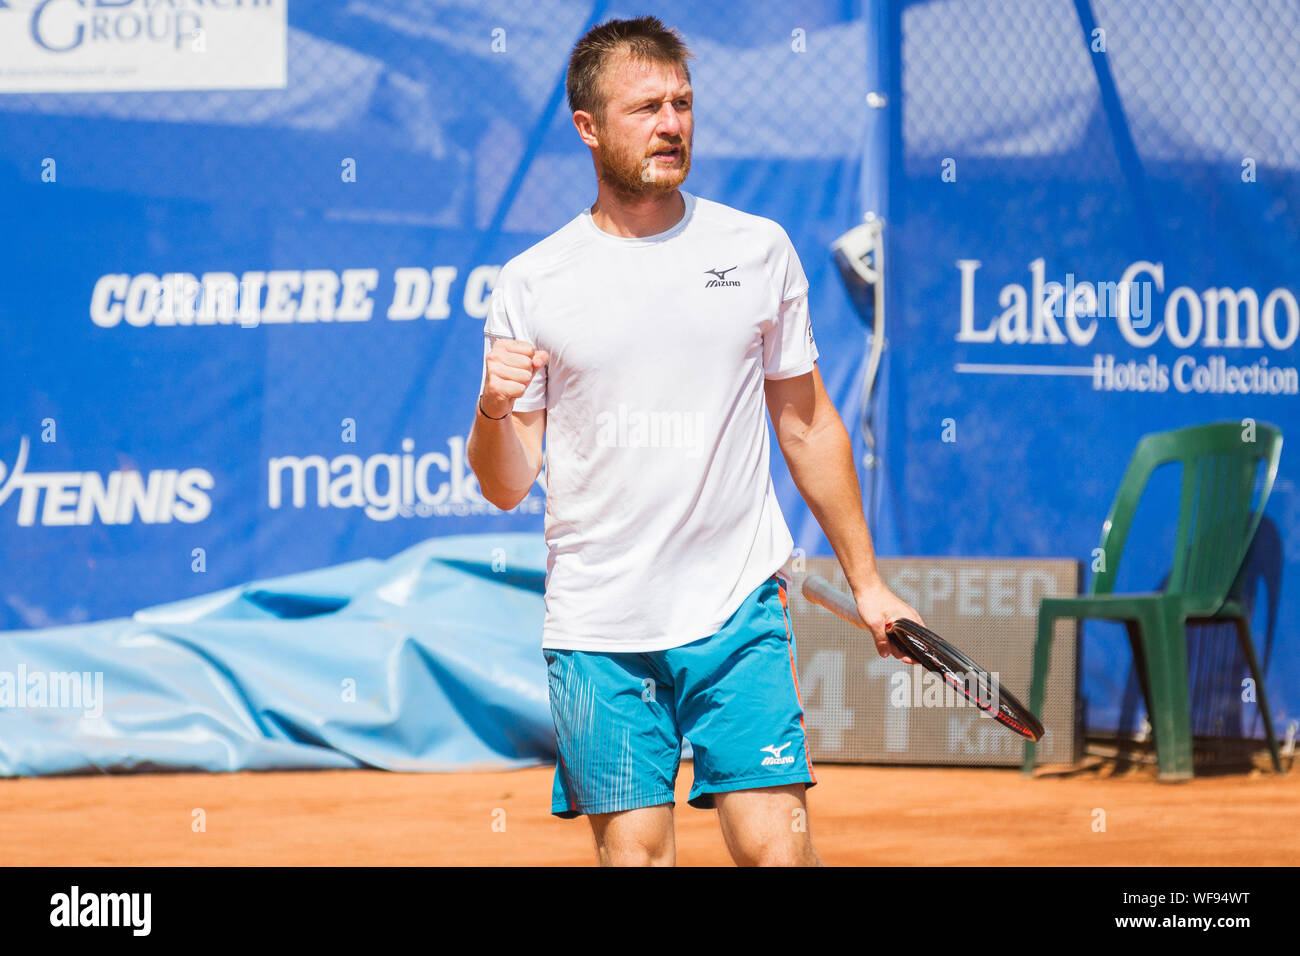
661	517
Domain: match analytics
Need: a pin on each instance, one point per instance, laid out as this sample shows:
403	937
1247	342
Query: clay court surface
884	816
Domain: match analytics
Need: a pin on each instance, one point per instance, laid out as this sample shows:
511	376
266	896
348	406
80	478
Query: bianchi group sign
60	46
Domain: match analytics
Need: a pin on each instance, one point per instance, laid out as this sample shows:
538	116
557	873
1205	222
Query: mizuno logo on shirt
721	279
776	760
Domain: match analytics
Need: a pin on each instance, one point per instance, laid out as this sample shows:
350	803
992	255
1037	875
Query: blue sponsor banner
159	440
1083	253
241	329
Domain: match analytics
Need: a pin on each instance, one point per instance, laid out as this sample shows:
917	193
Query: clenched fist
511	365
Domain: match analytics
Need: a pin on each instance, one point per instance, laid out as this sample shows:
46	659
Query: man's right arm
505	446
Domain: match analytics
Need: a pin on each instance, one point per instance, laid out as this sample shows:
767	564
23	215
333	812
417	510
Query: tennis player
642	339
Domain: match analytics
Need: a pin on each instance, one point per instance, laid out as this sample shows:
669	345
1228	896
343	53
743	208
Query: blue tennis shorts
620	717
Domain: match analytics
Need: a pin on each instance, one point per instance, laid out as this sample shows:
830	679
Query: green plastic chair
1215	528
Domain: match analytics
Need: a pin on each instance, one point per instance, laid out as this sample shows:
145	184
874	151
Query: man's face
645	137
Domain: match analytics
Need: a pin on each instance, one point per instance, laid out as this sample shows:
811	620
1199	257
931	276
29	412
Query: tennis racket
935	654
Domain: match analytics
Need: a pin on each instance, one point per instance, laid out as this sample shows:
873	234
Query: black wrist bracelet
486	415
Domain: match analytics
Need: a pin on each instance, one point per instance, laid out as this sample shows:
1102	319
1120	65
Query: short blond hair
644	39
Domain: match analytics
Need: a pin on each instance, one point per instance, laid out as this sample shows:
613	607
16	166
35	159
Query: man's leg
767	826
641	837
738	704
618	752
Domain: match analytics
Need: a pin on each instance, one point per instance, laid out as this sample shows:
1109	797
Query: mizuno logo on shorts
776	760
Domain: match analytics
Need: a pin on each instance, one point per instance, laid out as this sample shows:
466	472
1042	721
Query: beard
633	174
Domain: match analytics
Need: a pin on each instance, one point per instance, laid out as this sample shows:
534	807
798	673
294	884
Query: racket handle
821	592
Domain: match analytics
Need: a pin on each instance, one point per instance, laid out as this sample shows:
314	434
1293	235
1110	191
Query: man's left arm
820	457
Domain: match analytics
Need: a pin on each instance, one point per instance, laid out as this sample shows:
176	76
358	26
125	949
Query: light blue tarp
428	661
